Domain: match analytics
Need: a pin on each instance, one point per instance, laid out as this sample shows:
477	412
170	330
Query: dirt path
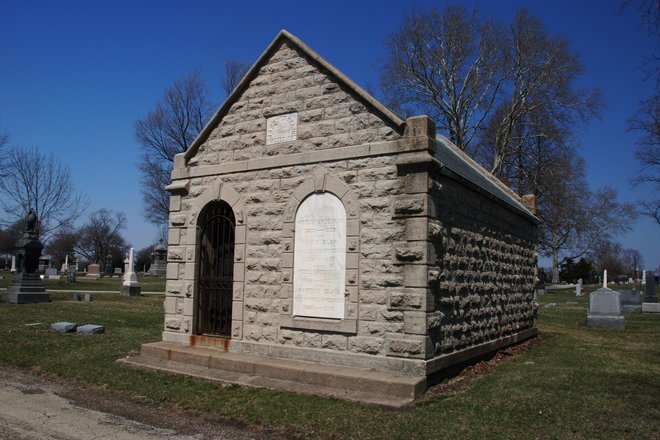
32	409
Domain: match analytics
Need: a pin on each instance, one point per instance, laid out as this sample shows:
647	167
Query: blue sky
76	75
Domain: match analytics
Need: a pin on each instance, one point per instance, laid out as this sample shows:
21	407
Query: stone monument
26	287
13	264
579	290
158	260
650	304
129	286
605	308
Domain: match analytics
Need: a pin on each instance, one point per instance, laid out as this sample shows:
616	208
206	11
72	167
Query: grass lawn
148	284
580	383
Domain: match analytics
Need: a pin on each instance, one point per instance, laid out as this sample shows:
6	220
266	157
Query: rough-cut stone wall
483	283
432	266
328	116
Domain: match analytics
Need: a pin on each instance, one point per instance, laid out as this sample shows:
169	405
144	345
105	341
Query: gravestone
93	271
64	327
26	287
158	265
90	329
129	287
631	300
650	304
13	264
605	309
51	271
118	271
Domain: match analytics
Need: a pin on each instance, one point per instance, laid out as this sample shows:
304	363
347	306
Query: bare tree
480	81
448	64
609	255
62	244
166	131
634	260
234	72
541	75
32	179
646	121
101	236
574	219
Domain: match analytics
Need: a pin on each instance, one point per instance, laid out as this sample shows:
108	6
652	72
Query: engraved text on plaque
319	273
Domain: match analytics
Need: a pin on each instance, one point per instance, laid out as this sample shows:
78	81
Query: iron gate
215	270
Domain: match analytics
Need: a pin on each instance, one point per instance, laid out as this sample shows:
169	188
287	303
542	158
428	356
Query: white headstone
65	266
578	288
130	277
13	264
605	279
319	275
644	278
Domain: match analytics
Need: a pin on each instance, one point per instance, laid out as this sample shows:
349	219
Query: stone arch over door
323	182
214	271
219	191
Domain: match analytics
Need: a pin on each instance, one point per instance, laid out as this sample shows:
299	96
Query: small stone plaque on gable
282	128
319	262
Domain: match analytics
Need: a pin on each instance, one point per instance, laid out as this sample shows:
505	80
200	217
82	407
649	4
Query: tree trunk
555	266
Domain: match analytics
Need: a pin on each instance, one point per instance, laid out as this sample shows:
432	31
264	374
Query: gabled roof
285	36
462	165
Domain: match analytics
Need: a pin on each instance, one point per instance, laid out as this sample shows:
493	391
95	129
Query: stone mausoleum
312	229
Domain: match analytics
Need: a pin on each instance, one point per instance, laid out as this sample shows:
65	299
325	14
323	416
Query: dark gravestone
650	304
90	329
64	327
631	300
26	287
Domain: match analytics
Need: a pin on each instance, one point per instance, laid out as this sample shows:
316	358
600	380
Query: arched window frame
321	182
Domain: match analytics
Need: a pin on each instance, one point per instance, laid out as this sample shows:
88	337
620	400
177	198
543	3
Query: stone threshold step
354	384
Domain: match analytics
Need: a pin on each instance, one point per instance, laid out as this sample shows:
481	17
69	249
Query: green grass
580	383
148	284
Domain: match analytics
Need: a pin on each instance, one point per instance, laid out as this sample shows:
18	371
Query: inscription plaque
282	128
319	265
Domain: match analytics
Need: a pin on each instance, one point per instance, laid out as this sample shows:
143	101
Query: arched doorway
215	270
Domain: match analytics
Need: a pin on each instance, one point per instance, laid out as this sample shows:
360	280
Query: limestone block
409	346
178	220
237	330
410	205
237	311
186	306
409	299
173	323
169	305
175	203
172	272
414	322
366	344
173	236
253	332
334	342
175	253
415	276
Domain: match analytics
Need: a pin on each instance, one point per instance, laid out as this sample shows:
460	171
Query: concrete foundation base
650	307
615	322
296	376
130	290
26	289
